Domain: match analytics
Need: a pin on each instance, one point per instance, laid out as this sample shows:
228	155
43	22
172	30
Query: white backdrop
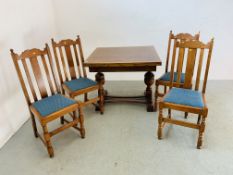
26	24
148	22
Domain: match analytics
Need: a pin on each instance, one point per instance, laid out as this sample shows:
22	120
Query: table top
123	56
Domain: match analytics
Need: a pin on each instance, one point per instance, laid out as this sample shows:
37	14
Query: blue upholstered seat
80	83
185	97
166	77
52	104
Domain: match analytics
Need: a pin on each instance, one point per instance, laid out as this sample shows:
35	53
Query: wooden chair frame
76	46
158	82
32	57
192	47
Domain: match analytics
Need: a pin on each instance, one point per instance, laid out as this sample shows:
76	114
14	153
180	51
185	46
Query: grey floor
123	141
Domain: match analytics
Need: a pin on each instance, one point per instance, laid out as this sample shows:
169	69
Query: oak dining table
125	59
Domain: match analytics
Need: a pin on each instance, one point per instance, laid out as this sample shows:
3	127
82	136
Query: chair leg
199	119
34	125
169	113
156	96
47	140
160	120
165	90
62	120
201	131
81	118
186	115
74	117
97	107
85	97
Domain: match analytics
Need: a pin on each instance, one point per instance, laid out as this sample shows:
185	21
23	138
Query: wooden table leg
149	81
99	77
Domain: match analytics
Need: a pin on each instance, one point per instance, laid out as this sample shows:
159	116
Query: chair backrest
178	37
35	73
69	59
194	52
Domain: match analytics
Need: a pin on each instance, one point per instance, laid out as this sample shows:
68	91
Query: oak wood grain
72	60
123	57
32	55
191	47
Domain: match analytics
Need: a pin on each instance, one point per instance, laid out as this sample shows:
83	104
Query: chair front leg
160	122
165	90
74	116
47	140
85	97
34	125
201	132
199	119
62	120
81	119
169	113
156	96
186	115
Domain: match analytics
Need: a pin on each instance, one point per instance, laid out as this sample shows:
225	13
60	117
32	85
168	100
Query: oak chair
42	94
164	80
69	61
182	97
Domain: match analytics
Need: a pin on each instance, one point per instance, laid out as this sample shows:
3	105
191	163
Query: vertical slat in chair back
69	59
171	41
194	62
36	65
